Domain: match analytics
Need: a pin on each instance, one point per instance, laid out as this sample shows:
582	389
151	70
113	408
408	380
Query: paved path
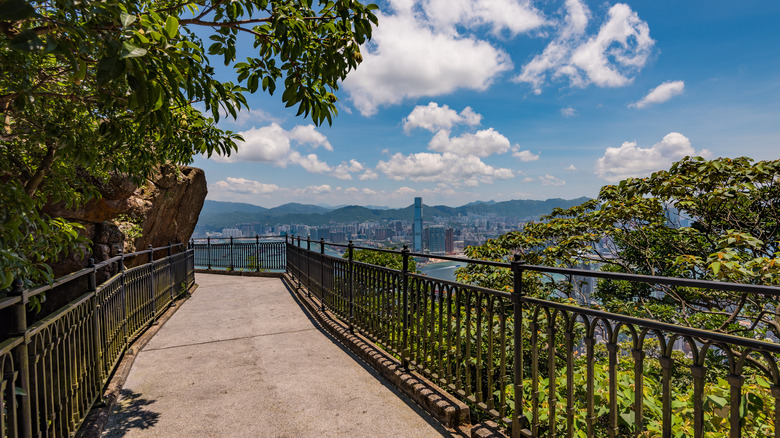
242	359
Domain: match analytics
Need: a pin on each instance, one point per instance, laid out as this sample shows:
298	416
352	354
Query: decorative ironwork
553	368
54	370
259	253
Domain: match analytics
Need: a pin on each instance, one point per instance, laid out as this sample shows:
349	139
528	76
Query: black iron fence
554	368
259	253
54	370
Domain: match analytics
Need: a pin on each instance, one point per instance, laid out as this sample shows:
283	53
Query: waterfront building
231	232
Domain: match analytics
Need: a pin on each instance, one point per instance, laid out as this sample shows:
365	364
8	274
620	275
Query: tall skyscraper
417	228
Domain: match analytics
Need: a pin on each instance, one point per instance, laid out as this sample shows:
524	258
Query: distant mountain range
217	215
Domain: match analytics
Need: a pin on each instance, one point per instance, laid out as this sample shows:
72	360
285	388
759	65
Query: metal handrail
87	337
450	332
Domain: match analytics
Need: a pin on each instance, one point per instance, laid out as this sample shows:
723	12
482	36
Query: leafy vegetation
379	258
93	89
710	220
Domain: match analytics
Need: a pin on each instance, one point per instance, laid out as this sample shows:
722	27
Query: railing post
322	273
151	285
519	420
208	251
232	267
257	252
300	267
22	360
405	281
350	274
308	265
170	269
92	288
123	296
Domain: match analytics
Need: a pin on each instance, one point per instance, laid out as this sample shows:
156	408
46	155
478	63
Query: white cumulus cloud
607	59
270	144
343	170
445	168
324	188
309	135
568	112
630	160
434	117
368	175
243	186
524	156
309	191
482	144
511	16
549	180
408	57
310	162
273	144
660	94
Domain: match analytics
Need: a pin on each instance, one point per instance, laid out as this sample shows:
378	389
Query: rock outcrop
130	218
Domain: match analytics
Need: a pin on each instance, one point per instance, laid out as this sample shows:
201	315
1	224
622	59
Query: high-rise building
436	239
417	226
449	240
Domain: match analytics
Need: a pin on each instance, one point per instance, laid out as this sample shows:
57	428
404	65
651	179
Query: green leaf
27	41
13	10
715	267
20	391
109	69
129	50
719	401
127	19
171	27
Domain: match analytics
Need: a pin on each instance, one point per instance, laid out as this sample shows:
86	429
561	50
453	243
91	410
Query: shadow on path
409	402
130	413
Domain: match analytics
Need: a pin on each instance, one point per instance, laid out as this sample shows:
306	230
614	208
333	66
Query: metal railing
260	253
550	368
54	370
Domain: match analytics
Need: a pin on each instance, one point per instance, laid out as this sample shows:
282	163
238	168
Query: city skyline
438	235
465	101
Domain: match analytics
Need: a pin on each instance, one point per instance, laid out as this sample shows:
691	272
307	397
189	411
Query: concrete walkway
241	358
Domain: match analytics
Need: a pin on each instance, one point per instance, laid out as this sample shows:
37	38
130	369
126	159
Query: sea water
442	270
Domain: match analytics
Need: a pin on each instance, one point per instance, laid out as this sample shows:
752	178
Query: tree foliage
380	258
91	89
712	220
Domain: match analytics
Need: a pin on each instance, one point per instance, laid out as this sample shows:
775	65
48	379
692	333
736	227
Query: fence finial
17	288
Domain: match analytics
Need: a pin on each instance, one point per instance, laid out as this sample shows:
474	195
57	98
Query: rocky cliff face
130	218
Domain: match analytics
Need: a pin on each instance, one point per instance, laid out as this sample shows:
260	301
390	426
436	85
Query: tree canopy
379	258
91	89
711	220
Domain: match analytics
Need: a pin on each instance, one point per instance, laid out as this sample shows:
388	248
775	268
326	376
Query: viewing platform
276	338
244	357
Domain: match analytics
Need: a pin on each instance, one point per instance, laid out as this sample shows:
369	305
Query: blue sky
464	100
